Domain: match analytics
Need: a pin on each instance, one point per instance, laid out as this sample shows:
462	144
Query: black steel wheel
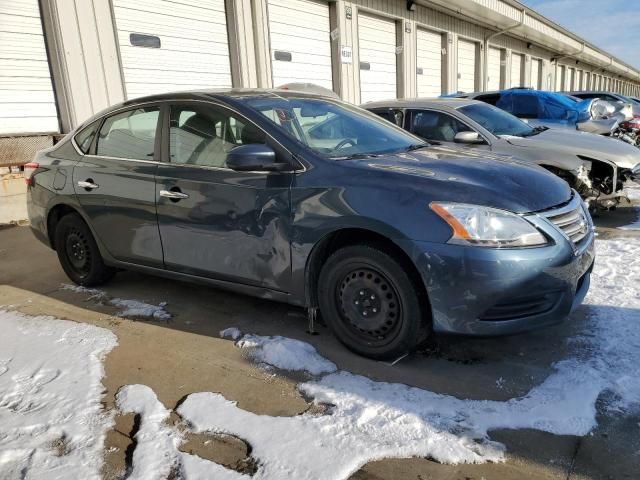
78	252
371	303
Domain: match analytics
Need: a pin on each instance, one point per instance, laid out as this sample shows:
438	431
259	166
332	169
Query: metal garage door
467	59
172	45
300	40
377	39
580	81
429	63
517	69
560	72
27	104
572	79
536	73
494	69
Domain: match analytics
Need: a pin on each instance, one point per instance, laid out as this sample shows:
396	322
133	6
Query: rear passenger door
115	184
216	222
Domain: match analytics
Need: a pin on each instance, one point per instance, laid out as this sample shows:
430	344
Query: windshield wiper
416	146
536	131
355	156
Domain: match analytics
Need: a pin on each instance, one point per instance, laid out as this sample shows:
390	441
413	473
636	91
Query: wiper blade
416	146
355	156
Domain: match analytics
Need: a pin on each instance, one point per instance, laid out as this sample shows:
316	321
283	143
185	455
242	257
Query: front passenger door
215	222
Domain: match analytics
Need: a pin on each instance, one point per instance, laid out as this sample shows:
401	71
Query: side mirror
468	137
254	157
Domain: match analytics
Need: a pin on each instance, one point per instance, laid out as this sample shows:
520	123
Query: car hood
475	177
574	143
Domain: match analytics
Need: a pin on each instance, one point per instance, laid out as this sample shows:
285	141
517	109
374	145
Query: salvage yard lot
559	403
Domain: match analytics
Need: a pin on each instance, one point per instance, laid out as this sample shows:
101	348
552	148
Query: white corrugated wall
27	103
194	51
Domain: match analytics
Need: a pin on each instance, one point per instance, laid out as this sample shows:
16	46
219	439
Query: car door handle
173	195
88	185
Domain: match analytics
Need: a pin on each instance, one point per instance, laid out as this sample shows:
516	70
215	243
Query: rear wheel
78	252
371	303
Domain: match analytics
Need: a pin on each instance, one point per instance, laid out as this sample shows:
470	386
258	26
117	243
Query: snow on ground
281	352
370	420
129	308
51	420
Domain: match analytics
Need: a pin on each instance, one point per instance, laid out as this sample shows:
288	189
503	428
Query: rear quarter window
84	138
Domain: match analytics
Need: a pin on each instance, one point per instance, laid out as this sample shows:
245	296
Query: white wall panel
429	63
377	40
301	28
467	65
517	69
27	103
494	69
536	73
194	52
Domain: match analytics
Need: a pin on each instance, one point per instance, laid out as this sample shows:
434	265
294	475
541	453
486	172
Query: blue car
551	109
308	200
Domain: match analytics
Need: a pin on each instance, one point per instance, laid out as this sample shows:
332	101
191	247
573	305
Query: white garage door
429	63
27	104
181	45
377	39
466	66
560	72
300	39
536	73
580	81
494	69
517	64
572	79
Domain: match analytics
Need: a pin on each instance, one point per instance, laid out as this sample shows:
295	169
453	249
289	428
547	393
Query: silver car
598	167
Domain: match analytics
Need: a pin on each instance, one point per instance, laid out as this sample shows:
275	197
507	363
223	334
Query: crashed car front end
602	183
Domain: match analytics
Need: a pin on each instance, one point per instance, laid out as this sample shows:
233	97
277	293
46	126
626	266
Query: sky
612	25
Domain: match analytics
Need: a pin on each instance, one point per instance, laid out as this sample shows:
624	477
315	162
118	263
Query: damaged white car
596	166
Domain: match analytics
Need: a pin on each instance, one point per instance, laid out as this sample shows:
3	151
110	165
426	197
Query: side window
85	137
131	134
204	135
436	126
525	106
491	99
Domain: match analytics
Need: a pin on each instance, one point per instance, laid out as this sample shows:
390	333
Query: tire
371	303
78	252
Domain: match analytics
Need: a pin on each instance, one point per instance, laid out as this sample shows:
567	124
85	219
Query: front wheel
371	303
78	252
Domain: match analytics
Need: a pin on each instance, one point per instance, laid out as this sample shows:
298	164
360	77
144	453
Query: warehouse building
64	60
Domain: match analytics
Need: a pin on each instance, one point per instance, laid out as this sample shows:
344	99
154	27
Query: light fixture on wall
411	5
529	45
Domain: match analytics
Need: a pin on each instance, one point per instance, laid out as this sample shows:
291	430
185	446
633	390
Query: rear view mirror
314	109
468	137
256	157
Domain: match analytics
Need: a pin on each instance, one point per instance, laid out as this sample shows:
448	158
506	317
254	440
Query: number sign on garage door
429	63
300	39
172	45
467	59
377	39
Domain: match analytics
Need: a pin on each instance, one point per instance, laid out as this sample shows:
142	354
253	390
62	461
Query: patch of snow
136	308
129	308
232	333
286	354
156	455
52	424
633	193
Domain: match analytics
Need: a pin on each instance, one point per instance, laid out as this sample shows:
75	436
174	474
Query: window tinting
204	136
131	134
84	138
436	126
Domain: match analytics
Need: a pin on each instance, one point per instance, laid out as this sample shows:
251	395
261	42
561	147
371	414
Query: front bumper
479	291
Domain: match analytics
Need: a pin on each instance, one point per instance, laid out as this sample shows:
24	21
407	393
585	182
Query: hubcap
369	305
77	252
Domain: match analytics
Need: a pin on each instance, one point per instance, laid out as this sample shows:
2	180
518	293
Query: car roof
421	102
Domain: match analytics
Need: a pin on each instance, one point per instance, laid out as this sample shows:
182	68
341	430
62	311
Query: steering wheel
346	141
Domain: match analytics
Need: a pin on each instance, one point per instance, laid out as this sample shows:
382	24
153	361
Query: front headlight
487	227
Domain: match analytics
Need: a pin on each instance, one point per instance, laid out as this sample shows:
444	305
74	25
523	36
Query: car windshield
497	121
334	129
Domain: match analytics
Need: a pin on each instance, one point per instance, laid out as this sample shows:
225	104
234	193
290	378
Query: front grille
570	219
